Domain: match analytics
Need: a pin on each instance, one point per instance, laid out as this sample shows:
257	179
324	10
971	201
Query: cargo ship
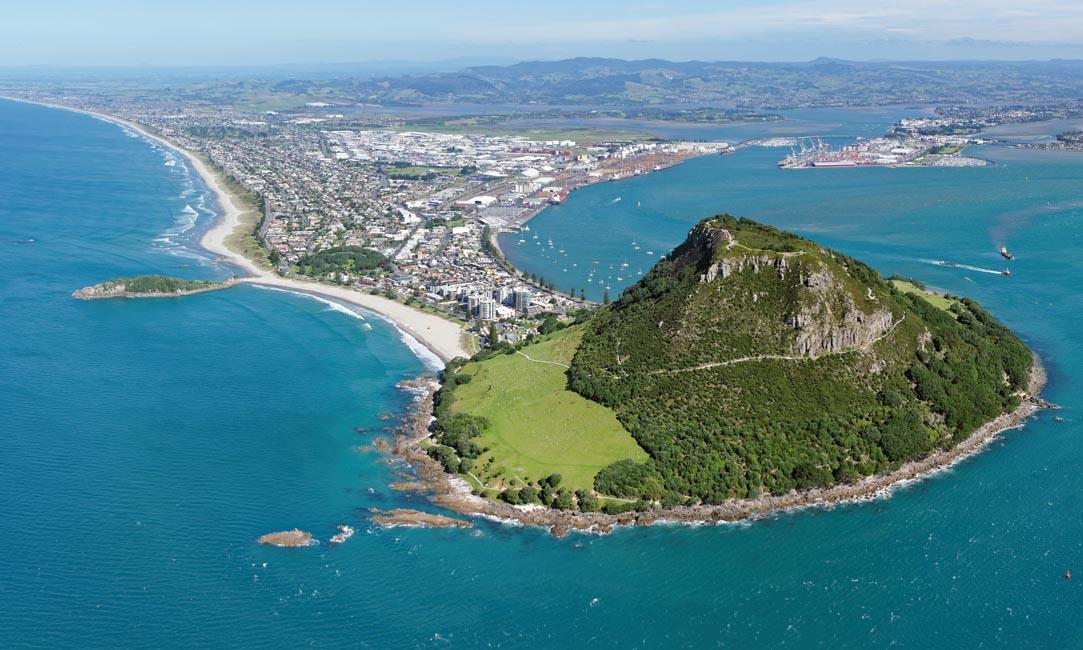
1005	254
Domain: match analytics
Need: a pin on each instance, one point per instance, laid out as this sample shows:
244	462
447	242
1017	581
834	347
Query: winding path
555	363
783	357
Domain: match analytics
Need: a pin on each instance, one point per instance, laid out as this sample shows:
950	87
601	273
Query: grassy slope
538	426
934	299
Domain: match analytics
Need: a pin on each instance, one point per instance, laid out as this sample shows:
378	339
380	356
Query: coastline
455	494
440	336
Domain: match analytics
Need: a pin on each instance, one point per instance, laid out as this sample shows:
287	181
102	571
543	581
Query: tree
587	501
605	297
582	293
494	335
563	500
533	277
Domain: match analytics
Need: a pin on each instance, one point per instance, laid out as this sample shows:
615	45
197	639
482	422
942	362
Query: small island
148	286
295	537
750	370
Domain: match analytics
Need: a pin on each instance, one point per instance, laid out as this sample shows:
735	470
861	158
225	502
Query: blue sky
204	32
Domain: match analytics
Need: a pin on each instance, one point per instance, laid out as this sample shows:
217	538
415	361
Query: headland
756	369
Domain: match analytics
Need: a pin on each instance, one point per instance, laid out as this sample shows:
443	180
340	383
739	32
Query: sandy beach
444	338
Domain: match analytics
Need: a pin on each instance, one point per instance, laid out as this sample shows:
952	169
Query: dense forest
754	361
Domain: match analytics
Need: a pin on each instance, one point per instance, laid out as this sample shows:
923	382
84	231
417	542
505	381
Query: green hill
752	360
749	361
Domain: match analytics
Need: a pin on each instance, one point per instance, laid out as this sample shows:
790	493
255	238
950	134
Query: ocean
147	444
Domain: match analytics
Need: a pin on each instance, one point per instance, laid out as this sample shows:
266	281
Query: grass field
936	300
538	426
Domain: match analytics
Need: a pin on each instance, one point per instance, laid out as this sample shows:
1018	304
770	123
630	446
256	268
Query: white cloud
1041	21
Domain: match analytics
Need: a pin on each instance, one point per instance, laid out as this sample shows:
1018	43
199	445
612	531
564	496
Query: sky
251	33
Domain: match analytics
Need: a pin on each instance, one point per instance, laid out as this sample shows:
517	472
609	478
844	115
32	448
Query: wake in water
953	265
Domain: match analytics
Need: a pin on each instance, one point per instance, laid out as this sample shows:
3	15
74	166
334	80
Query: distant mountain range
597	82
822	82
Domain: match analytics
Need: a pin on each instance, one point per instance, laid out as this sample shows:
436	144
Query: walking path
782	357
555	363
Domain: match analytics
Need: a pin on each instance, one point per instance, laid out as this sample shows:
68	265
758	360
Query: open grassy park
538	426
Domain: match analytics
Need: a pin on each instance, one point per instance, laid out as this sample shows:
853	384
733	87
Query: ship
943	263
1006	272
1005	254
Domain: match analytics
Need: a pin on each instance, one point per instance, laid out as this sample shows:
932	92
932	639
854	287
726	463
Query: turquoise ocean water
145	445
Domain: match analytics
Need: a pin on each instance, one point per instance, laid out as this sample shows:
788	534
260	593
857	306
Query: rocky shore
455	494
107	290
416	518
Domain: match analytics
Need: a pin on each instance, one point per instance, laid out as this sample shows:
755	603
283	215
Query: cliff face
753	359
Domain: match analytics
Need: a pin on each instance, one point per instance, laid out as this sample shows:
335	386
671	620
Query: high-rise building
522	299
487	309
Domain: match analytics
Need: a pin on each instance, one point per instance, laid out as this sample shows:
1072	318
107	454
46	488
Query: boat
943	263
1005	254
1006	272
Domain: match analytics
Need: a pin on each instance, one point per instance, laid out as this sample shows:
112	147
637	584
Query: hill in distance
752	361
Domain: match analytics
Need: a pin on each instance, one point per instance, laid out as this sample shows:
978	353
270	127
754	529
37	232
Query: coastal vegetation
147	286
245	239
752	361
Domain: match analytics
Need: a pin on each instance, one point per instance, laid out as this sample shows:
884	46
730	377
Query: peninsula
749	370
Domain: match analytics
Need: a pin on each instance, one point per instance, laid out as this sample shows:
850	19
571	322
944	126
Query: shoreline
454	493
440	336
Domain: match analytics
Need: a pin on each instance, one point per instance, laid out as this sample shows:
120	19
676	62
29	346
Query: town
411	215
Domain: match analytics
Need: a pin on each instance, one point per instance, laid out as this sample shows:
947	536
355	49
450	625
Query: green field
538	426
935	299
